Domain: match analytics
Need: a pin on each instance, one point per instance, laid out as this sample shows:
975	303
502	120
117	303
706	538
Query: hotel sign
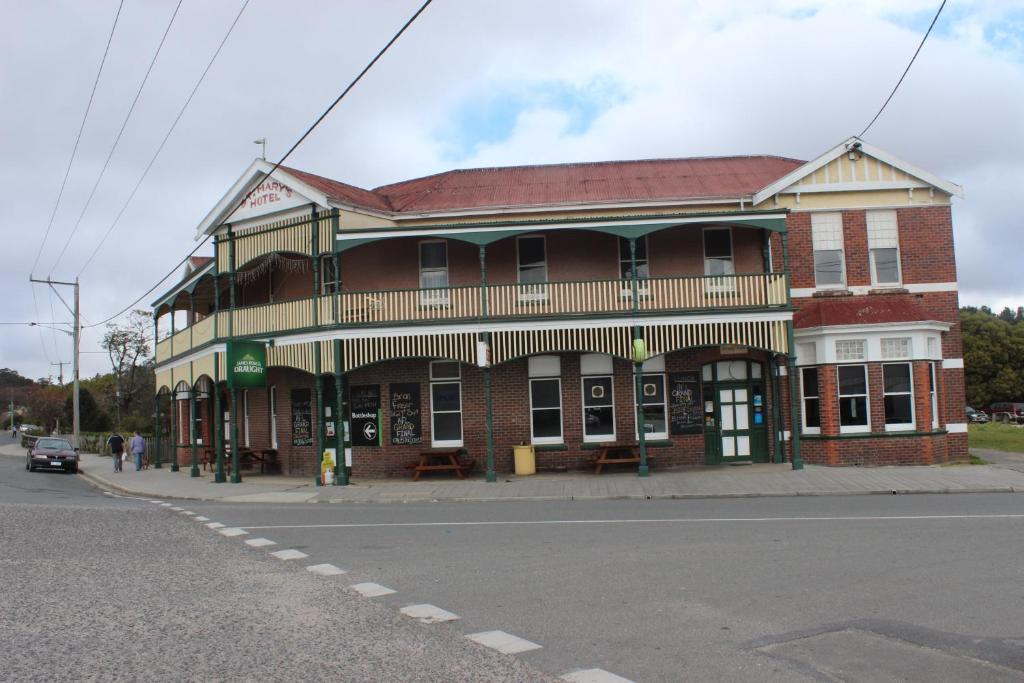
246	364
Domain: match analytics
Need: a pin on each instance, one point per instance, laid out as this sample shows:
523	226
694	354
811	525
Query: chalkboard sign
302	418
684	407
364	405
406	427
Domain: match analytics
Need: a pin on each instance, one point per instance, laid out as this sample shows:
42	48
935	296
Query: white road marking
289	554
200	518
187	512
177	509
215	525
165	505
505	643
371	590
259	542
233	531
156	502
593	676
670	520
325	569
428	614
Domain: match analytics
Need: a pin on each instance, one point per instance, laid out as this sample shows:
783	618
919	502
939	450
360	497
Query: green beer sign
247	364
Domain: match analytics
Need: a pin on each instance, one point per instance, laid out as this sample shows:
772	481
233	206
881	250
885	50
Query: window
884	247
898	395
849	349
434	273
533	266
655	422
827	236
933	394
272	398
546	410
718	252
328	275
643	271
245	415
896	348
853	398
598	397
812	400
445	404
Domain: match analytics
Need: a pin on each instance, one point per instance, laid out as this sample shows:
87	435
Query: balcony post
638	364
194	471
766	259
231	291
318	433
315	253
173	301
156	434
794	399
191	319
174	429
491	475
341	475
785	266
216	305
336	260
236	475
218	424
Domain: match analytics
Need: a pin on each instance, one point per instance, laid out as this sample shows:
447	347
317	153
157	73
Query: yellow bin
526	460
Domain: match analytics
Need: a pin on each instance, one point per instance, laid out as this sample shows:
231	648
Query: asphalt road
102	588
925	588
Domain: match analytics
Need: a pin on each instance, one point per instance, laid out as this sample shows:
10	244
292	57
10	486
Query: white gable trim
783	184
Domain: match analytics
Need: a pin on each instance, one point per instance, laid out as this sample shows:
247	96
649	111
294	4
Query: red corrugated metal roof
861	310
199	261
560	184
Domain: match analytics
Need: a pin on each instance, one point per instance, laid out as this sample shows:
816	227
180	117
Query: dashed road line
177	509
214	525
505	643
593	676
187	512
371	590
289	554
233	531
200	518
325	569
428	614
259	542
165	505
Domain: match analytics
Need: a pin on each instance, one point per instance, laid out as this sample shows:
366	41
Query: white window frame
842	250
245	415
655	436
804	398
448	443
871	249
597	438
272	397
855	429
328	286
729	284
933	390
885	348
624	259
863	351
532	291
541	440
434	296
910	426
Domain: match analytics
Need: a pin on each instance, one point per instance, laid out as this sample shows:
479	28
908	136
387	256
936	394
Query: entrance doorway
737	426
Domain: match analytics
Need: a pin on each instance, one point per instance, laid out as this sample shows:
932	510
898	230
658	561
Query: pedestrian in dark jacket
116	443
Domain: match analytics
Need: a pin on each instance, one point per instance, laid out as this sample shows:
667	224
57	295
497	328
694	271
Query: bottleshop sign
269	196
247	364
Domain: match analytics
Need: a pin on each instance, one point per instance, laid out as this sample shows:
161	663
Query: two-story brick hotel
749	308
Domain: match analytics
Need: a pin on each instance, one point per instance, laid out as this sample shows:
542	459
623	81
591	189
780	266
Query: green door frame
758	434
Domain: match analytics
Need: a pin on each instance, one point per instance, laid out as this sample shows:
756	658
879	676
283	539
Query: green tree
93	418
993	356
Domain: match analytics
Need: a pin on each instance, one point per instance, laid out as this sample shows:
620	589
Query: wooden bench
618	454
446	460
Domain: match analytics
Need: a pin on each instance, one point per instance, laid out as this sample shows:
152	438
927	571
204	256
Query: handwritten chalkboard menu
684	406
302	418
406	427
364	406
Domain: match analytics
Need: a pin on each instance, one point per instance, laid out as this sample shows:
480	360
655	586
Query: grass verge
996	437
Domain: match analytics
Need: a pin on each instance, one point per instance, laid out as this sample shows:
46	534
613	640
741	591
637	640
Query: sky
472	83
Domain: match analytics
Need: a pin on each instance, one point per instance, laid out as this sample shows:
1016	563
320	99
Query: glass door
734	407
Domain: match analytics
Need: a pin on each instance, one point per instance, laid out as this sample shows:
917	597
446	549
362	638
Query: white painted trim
196	355
539	227
857	186
783	184
952	363
569	206
861	290
956	427
597	438
194	277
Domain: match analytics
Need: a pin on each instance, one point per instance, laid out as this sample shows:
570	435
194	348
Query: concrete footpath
701	482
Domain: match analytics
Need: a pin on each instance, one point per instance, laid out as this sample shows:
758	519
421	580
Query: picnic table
618	454
442	460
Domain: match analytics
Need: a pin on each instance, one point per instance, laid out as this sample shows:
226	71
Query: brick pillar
828	392
876	398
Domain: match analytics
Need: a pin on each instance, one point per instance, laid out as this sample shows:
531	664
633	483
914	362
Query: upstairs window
328	275
849	349
827	236
884	247
643	271
718	252
533	265
433	264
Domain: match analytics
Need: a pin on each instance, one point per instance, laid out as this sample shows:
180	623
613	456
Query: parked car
51	453
28	428
1006	411
976	416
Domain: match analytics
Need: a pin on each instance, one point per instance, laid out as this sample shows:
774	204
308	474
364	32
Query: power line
277	165
163	142
117	140
905	71
78	139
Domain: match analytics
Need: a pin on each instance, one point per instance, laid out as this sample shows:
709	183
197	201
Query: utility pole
12	412
77	338
61	364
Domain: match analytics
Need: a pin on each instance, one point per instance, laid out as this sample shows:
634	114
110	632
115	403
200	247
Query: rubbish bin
526	460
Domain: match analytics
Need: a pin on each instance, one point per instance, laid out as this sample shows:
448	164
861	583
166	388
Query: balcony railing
398	306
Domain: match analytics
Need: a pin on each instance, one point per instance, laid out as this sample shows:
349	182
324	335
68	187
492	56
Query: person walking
138	447
116	443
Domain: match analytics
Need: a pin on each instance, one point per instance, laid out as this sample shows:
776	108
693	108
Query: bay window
853	398
898	396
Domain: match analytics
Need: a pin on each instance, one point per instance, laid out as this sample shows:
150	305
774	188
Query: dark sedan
50	453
